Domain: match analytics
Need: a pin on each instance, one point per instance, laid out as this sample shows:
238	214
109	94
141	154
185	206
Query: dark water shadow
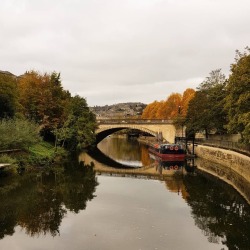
102	158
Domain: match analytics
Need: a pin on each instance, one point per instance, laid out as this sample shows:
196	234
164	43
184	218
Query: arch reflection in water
155	168
102	158
119	155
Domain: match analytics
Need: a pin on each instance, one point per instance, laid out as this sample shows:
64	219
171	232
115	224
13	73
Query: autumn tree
43	99
237	101
155	109
173	103
173	106
160	112
187	96
149	111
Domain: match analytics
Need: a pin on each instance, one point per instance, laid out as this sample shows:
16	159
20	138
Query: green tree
206	110
214	87
238	96
8	96
78	130
196	119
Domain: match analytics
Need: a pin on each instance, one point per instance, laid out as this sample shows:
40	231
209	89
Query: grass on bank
44	154
42	149
37	155
5	159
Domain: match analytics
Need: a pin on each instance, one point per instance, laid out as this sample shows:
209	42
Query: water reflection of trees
39	201
219	211
145	159
175	184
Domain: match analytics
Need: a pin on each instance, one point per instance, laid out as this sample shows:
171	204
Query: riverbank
229	166
238	162
40	154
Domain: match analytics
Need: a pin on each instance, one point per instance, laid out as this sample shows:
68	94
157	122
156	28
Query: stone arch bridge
152	126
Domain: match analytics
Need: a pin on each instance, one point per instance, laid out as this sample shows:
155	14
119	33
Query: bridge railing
134	121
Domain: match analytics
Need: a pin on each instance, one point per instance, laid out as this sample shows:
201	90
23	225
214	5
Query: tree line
219	105
40	99
176	104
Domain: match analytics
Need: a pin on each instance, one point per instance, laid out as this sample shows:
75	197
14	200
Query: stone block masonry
230	166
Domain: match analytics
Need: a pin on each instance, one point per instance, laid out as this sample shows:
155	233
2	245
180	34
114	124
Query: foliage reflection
39	201
218	210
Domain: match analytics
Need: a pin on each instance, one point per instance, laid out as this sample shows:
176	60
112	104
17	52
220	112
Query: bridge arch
105	131
151	126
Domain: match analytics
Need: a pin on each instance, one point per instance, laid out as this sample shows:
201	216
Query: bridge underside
103	134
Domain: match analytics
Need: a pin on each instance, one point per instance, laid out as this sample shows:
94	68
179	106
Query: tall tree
187	96
149	111
206	109
196	120
78	130
43	99
238	96
8	96
173	103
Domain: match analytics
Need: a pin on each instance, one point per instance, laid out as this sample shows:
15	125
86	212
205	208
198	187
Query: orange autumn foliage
42	98
176	104
188	95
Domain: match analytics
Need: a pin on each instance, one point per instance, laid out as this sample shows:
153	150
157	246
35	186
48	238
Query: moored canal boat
167	151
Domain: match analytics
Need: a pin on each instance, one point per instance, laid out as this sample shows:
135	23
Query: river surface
80	206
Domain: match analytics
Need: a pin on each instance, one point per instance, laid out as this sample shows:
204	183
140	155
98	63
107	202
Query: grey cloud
113	50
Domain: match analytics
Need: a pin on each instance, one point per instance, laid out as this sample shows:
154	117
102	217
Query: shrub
18	133
7	159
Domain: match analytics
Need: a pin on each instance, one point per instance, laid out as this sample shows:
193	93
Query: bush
42	154
7	159
18	133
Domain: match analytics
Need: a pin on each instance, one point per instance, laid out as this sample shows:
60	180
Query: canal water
84	206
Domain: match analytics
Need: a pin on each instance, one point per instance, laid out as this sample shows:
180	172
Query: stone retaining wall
237	162
235	167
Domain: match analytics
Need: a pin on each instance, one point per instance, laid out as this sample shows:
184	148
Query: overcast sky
112	51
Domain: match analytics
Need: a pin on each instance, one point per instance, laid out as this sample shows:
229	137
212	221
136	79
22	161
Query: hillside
119	110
